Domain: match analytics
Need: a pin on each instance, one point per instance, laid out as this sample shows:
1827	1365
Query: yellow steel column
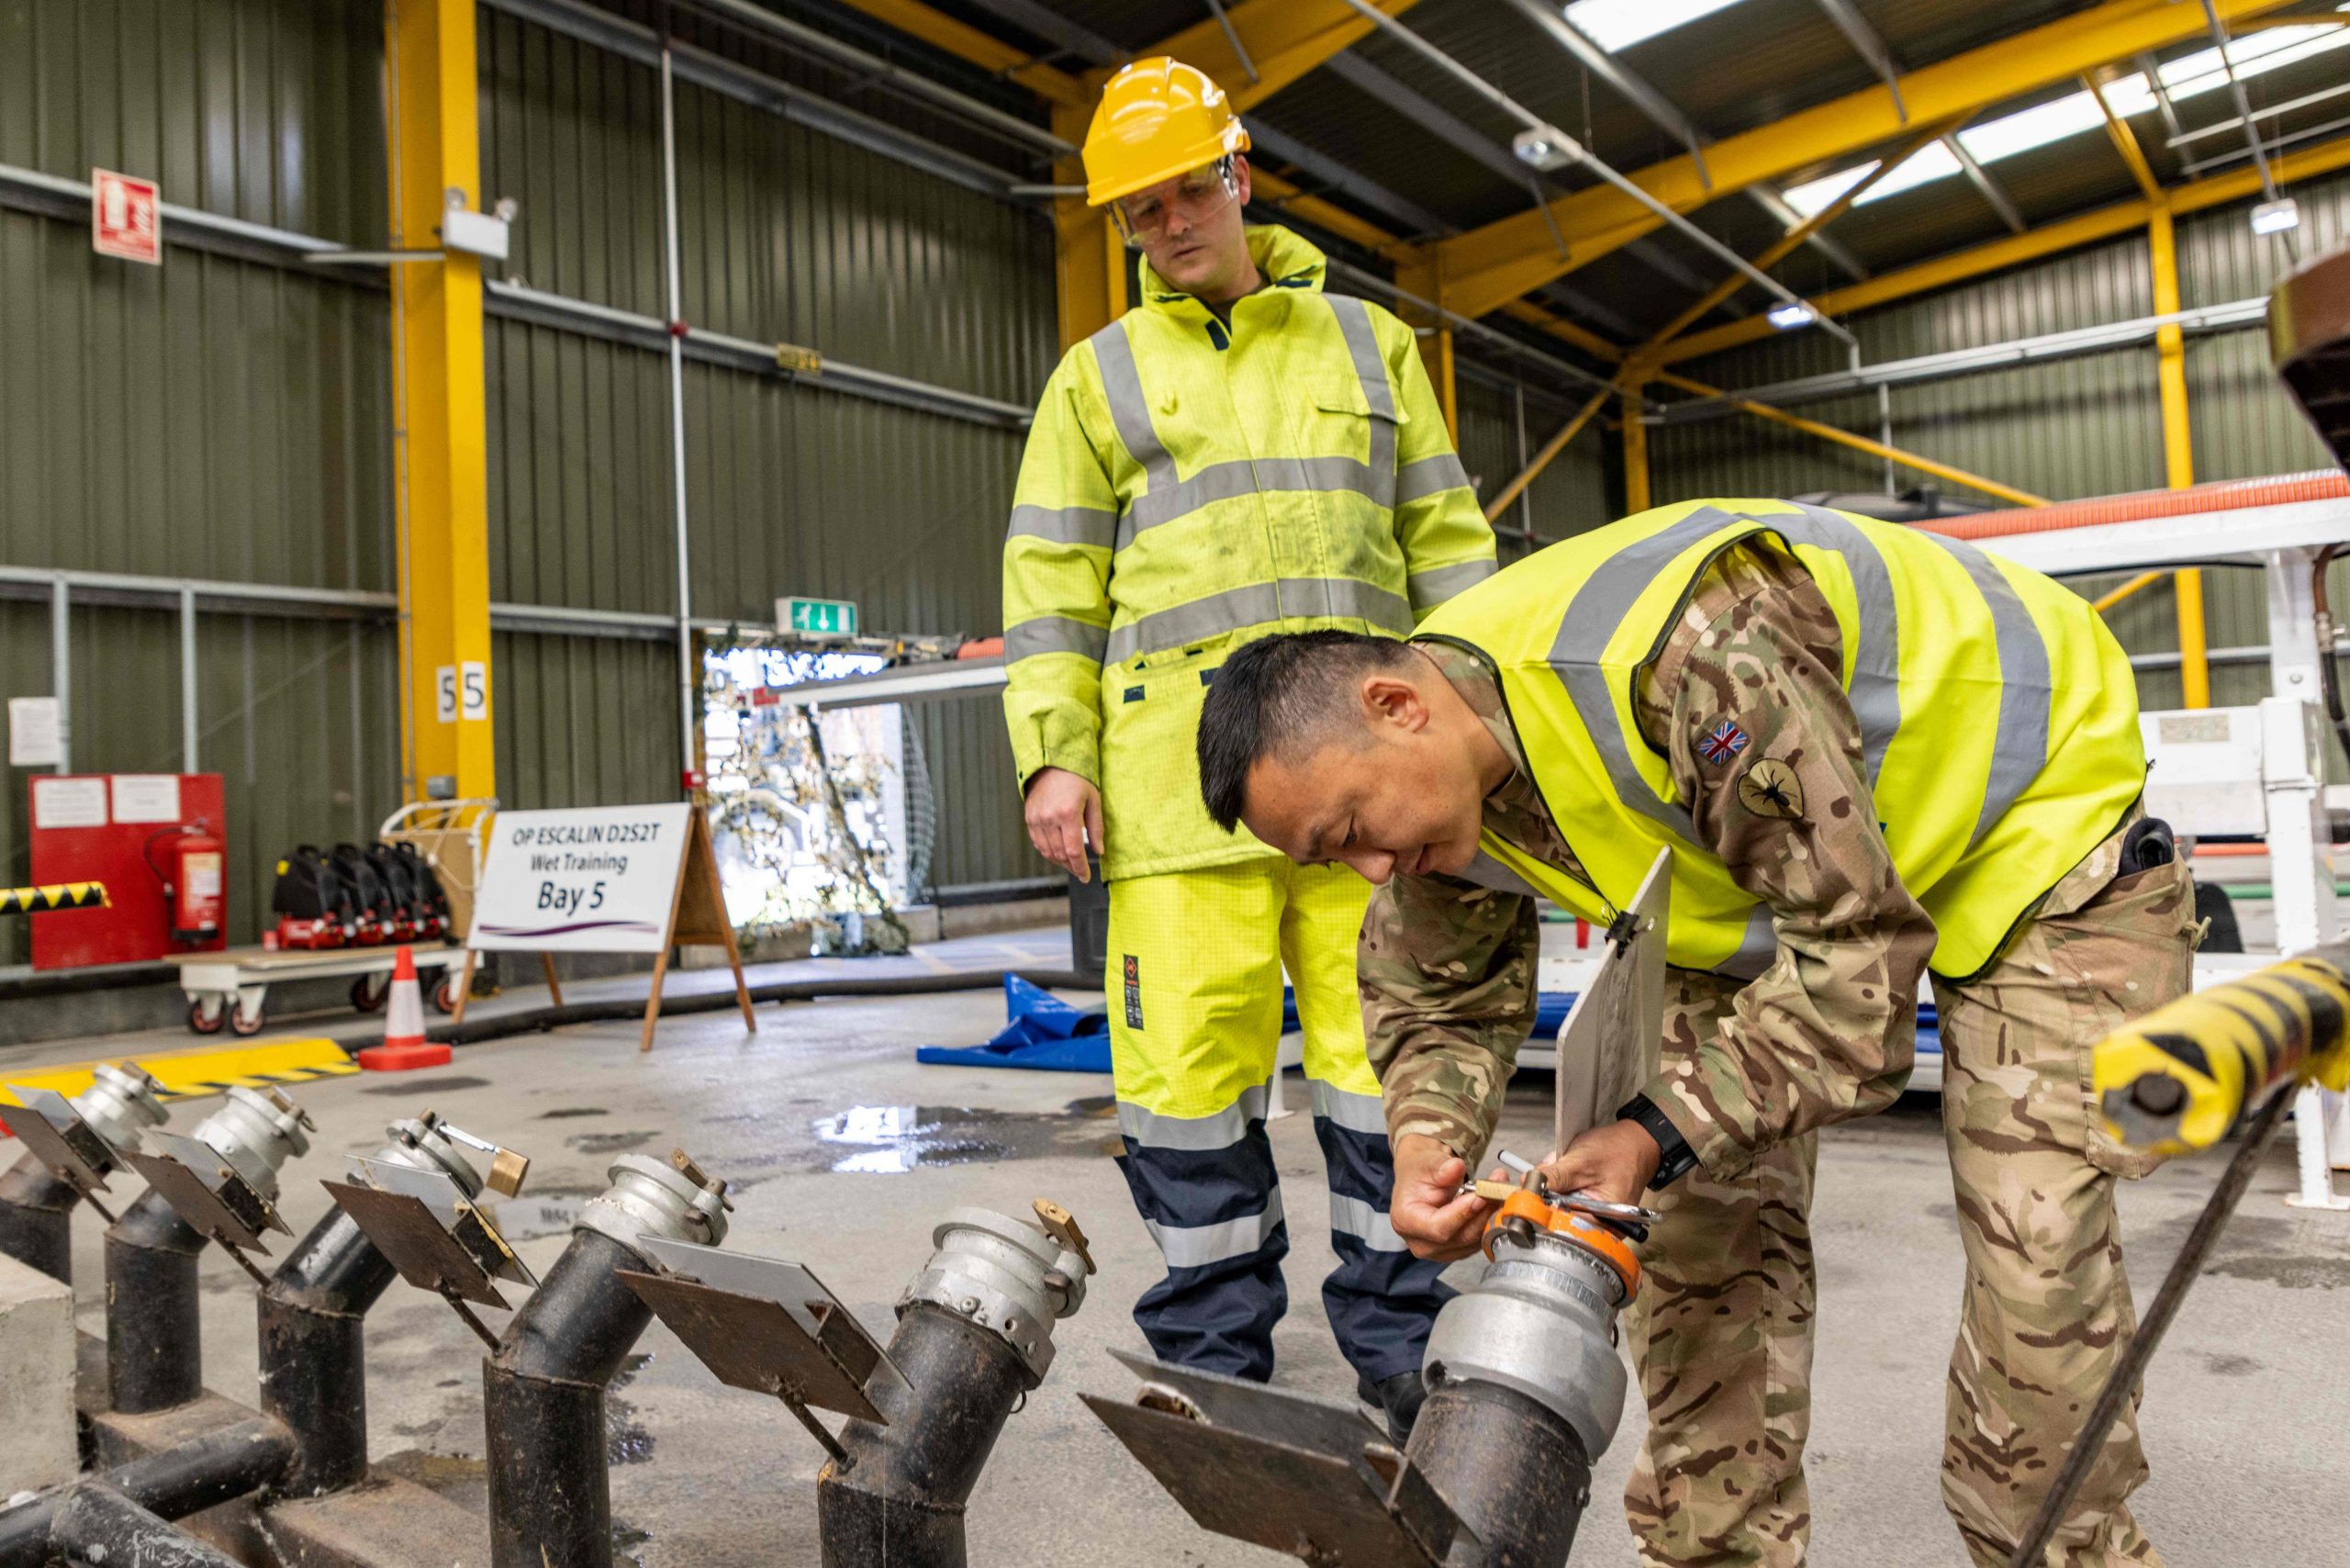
439	407
1635	453
2178	452
1089	258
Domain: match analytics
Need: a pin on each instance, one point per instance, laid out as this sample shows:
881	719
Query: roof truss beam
2064	234
1505	260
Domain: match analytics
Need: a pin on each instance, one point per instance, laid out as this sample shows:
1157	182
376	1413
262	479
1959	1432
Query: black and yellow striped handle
57	895
2180	1078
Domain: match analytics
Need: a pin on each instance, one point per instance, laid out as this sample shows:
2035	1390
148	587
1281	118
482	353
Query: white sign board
146	797
594	880
69	802
36	732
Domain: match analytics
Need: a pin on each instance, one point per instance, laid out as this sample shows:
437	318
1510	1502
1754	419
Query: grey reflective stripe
1356	1113
1197	1246
2020	746
1433	586
1254	605
1371	369
1488	872
1066	525
1129	409
1875	688
1221	1129
1757	946
1592	618
1430	476
1053	634
1365	1223
1230	481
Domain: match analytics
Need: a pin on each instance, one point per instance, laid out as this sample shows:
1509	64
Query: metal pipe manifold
310	1316
37	1204
542	1391
974	1335
223	1465
154	1332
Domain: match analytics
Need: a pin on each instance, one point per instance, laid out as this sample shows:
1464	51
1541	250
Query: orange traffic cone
404	1046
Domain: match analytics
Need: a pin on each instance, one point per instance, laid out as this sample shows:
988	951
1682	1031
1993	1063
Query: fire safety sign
126	217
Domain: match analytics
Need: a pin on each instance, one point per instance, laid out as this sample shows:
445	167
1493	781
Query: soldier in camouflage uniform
1752	1069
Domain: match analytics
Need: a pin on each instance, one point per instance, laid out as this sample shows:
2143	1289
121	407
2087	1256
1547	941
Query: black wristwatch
1676	1155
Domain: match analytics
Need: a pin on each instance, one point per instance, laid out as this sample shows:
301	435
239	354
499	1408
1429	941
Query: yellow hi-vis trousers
1195	965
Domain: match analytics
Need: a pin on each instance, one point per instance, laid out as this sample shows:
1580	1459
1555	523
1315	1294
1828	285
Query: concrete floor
2245	1412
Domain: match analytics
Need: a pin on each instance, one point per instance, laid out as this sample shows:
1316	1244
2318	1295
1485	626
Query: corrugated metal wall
227	420
1570	495
789	236
2079	427
210	416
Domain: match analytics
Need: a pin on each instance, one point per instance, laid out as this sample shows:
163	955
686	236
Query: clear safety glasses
1194	199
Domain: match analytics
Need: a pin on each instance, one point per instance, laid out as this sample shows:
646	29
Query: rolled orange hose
2226	494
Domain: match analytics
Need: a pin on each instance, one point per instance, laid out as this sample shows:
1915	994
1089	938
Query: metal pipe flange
651	1197
1542	1322
256	1132
1005	1275
422	1146
119	1104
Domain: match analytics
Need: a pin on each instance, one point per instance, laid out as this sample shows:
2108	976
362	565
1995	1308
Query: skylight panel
1615	25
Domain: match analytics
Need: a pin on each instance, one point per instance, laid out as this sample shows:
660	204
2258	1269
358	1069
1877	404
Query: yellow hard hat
1158	118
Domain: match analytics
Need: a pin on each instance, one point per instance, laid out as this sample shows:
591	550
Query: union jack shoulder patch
1725	741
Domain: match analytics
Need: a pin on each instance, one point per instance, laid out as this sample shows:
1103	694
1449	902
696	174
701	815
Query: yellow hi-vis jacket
1188	487
1998	717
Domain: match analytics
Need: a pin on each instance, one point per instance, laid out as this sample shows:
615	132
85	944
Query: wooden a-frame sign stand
697	914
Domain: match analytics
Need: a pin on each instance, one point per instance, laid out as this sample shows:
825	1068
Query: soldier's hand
1613	1161
1430	1212
1064	814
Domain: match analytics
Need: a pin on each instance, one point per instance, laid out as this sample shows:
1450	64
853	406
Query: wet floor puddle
890	1141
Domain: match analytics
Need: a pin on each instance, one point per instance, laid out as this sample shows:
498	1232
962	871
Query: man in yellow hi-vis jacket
1242	453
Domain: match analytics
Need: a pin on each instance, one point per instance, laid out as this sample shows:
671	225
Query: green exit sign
822	617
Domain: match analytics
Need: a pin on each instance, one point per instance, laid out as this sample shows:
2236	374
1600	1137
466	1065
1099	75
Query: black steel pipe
36	1218
543	1396
897	1501
313	1353
536	1019
98	1525
222	1464
154	1331
1512	1469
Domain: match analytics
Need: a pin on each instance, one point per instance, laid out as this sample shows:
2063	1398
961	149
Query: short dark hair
1272	695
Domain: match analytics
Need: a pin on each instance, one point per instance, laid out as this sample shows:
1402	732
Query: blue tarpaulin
1045	1034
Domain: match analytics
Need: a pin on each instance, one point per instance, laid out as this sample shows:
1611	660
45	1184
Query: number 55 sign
464	691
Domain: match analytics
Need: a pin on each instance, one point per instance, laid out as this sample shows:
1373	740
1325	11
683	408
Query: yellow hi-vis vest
1999	718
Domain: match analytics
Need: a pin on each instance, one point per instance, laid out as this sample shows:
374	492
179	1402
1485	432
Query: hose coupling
649	1197
1012	1277
256	1132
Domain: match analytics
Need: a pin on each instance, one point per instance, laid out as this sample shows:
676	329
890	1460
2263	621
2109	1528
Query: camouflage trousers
1722	1329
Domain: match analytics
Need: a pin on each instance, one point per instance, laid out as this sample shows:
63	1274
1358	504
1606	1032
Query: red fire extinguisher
196	881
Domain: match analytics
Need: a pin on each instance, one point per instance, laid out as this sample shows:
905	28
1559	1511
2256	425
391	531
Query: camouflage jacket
1447	967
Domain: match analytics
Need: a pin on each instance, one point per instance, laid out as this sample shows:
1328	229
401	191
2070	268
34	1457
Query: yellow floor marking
207	1069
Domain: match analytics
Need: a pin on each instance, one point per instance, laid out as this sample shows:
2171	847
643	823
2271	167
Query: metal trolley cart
230	990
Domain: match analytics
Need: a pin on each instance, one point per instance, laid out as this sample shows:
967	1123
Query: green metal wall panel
1571	495
787	235
584	720
208	417
267	110
297	715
